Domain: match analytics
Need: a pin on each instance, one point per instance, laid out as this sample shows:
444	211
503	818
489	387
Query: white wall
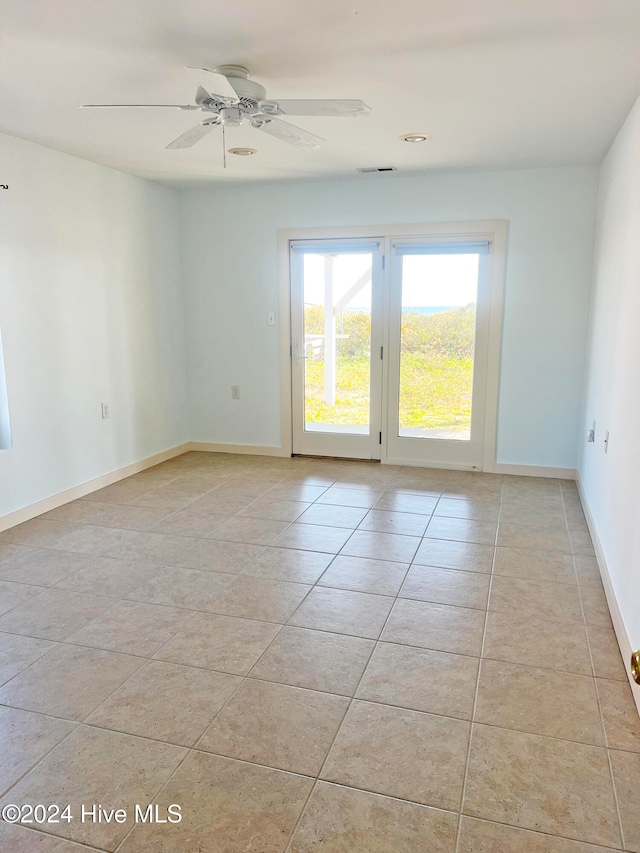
611	481
90	311
91	307
229	243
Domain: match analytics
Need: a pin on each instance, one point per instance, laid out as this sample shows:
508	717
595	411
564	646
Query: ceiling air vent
377	169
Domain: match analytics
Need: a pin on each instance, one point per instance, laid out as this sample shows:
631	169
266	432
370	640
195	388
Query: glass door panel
438	333
337	343
437	339
336	320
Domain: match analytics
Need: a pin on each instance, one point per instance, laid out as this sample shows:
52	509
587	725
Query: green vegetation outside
435	375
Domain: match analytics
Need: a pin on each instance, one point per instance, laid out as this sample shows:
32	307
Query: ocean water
416	309
429	309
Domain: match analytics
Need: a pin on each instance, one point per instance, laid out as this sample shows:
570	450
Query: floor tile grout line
195	749
81	845
195	613
538	832
86	721
164	566
173	512
155	796
142	658
35	595
56	644
463	791
339	728
52	546
76	724
143	662
543	834
210	724
67	641
349	706
597	694
352	699
245	677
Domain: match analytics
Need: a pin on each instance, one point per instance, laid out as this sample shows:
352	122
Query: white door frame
497	232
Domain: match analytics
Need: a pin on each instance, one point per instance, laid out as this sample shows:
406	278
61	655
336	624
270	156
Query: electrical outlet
105	411
591	434
271	318
235	392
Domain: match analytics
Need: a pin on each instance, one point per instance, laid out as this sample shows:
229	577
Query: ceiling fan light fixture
243	152
231	116
415	137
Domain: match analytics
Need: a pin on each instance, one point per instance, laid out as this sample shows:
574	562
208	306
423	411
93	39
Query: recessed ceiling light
377	169
415	137
243	152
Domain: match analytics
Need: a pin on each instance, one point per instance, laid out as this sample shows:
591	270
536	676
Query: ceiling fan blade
201	96
230	83
222	82
344	108
288	132
139	106
210	101
190	137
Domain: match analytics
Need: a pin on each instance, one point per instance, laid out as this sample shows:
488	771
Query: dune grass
435	376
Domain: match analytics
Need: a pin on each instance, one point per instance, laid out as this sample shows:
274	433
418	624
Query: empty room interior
319	407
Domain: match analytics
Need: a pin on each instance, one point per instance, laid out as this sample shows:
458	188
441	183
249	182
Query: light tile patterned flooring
310	655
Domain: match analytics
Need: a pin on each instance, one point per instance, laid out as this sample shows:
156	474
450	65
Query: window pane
337	342
439	296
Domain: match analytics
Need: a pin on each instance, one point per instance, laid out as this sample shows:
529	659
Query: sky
427	280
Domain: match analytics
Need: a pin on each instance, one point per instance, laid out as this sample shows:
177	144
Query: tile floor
311	655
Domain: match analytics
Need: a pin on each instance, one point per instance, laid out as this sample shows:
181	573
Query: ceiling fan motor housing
249	89
231	116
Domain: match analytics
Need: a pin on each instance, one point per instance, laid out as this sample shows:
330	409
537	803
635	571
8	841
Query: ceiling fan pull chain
224	150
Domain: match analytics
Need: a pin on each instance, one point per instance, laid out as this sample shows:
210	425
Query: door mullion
377	345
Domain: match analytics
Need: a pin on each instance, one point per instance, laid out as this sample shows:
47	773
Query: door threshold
333	458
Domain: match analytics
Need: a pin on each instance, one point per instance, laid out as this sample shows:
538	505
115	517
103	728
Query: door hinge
381	352
380	439
290	350
383	261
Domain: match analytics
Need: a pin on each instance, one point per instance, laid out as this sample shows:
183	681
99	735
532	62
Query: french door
337	316
390	340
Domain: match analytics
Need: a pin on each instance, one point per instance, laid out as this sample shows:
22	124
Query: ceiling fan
244	102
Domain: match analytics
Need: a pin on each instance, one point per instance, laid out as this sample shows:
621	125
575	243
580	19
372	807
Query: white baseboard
532	471
245	449
619	627
79	491
497	468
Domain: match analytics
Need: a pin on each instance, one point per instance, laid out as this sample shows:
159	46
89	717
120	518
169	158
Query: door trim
498	231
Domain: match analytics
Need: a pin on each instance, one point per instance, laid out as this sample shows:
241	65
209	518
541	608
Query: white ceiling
498	83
